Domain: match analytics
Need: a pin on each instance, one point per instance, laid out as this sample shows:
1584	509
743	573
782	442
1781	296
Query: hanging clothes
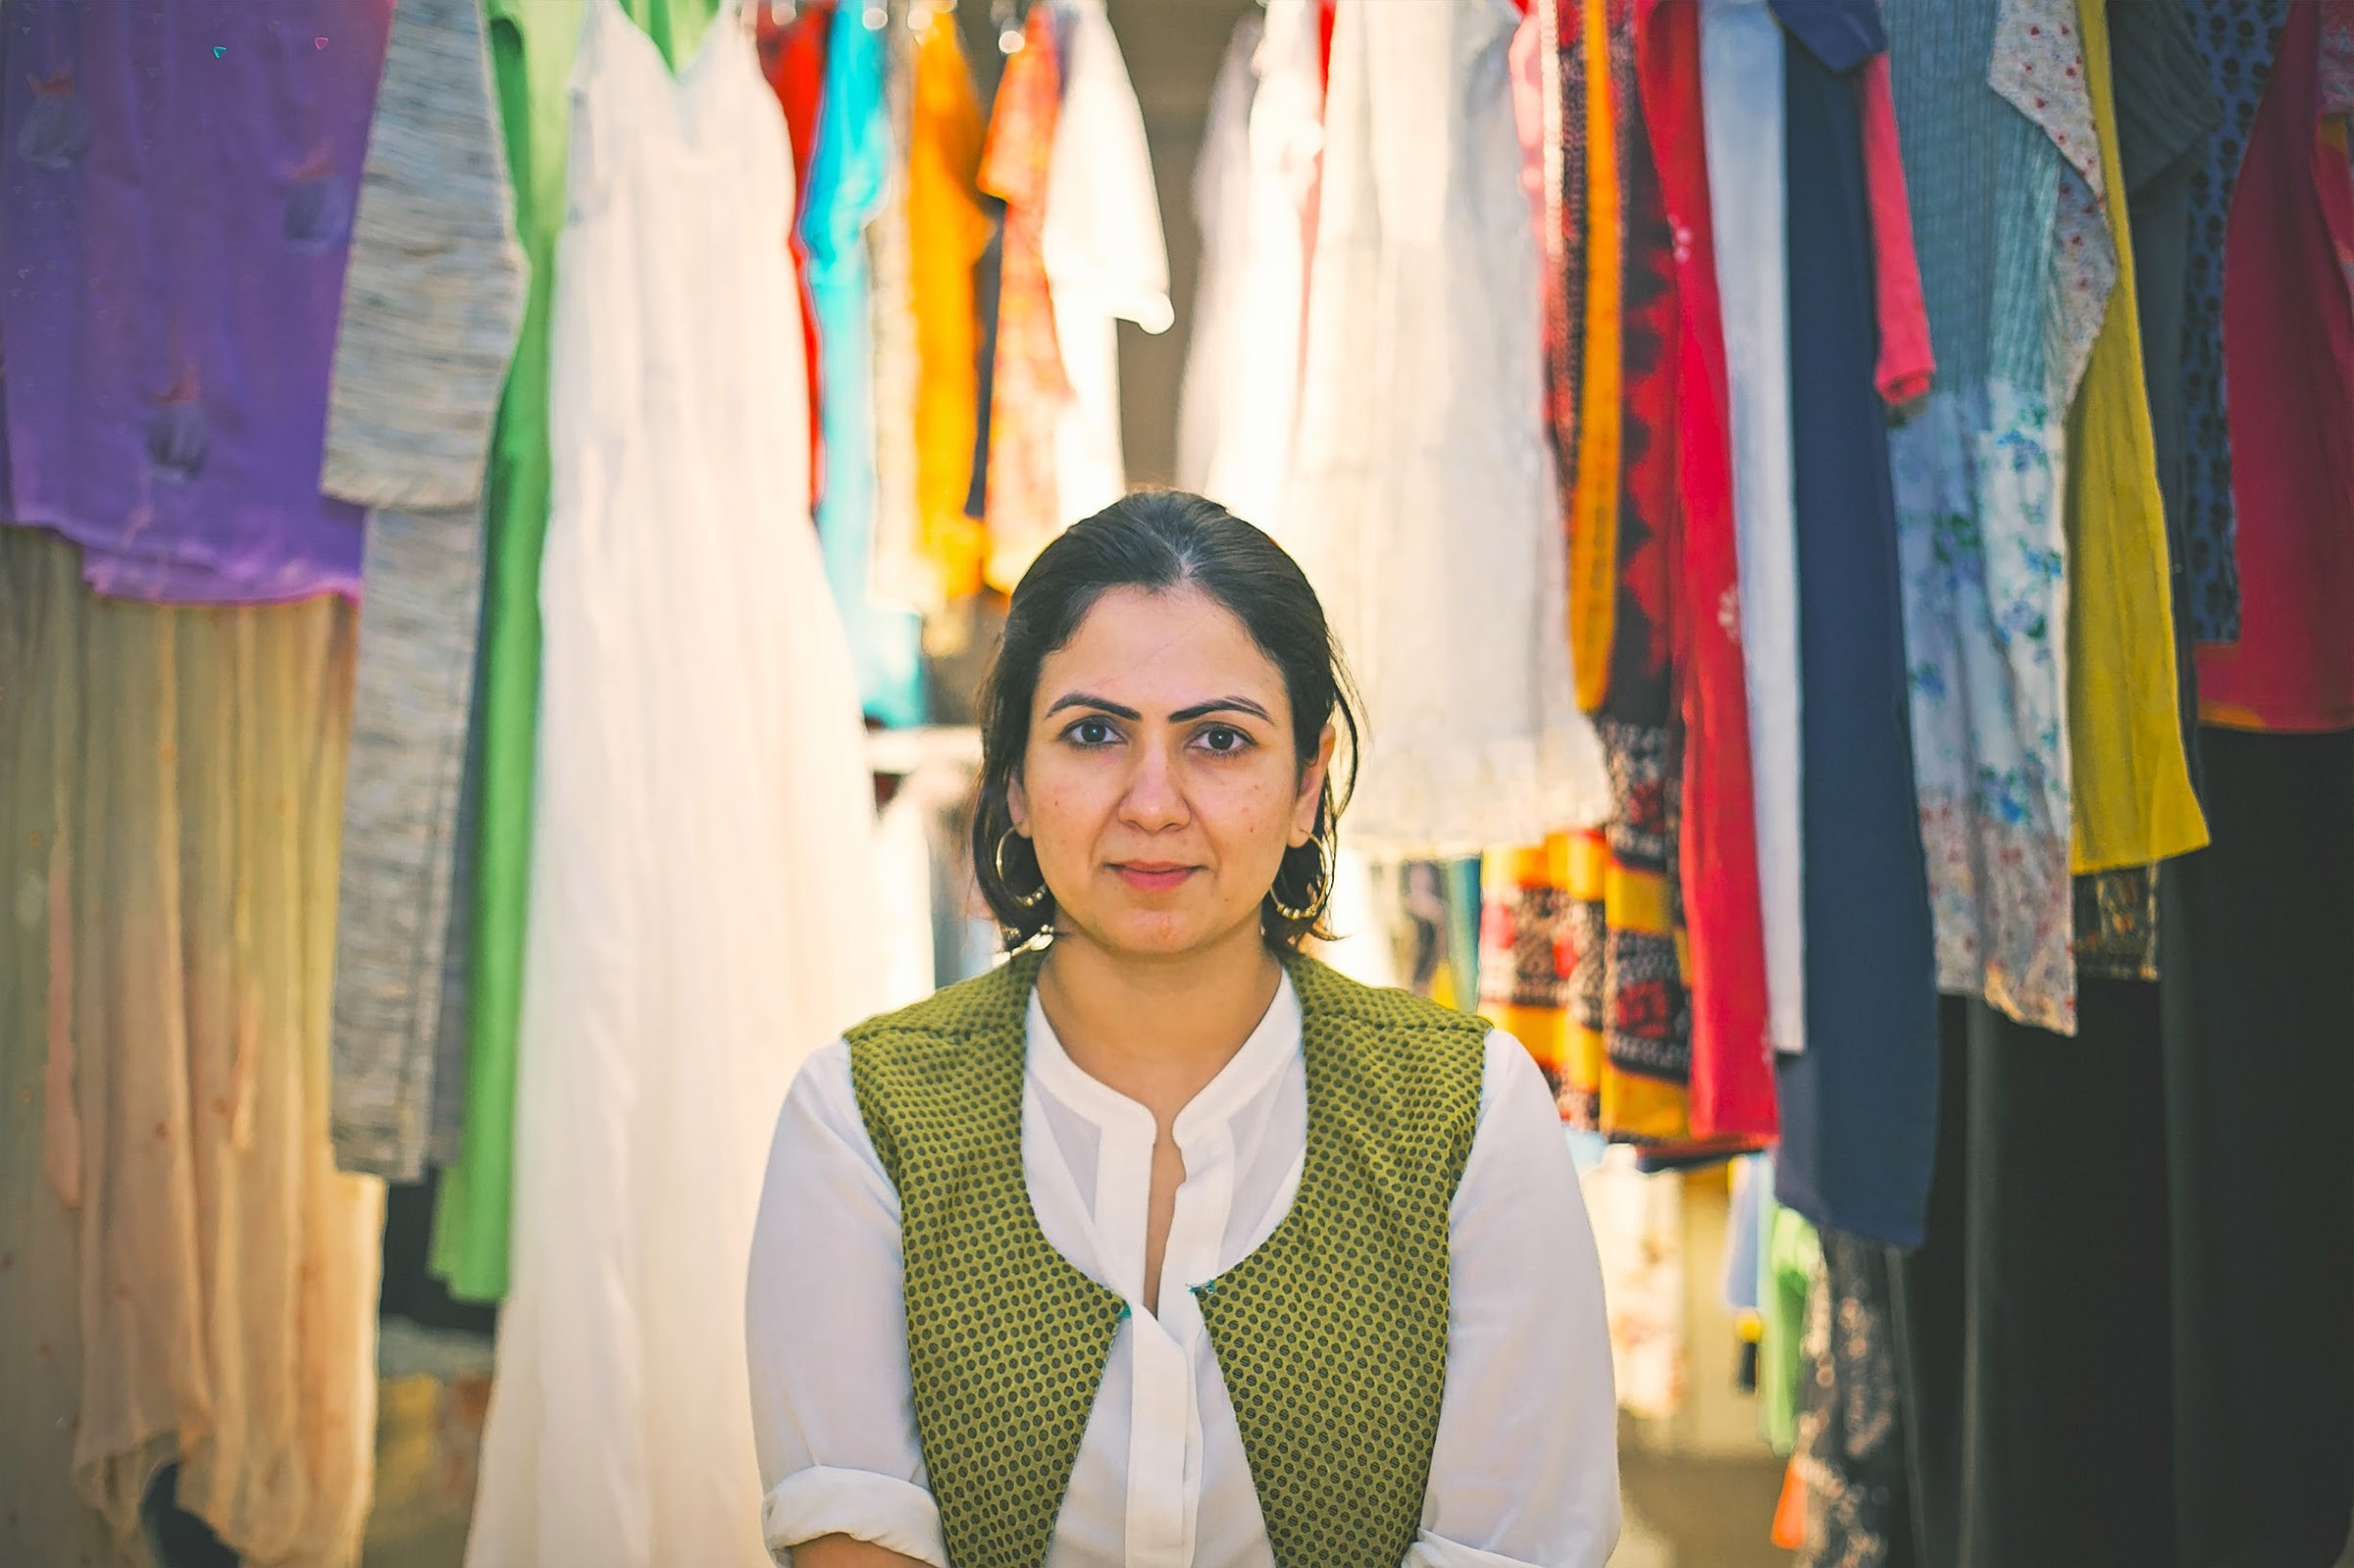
1026	385
1851	1437
1596	104
1907	364
702	873
2133	804
433	300
2290	368
947	233
1527	950
533	72
1106	263
174	789
1235	438
2239	40
1221	196
1859	1109
1741	85
2015	284
792	57
902	575
1732	1048
1420	505
848	186
174	241
2166	115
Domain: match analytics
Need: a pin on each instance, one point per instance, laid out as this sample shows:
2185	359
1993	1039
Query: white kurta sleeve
1525	1471
833	1412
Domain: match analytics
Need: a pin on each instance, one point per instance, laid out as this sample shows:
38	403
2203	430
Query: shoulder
1326	989
947	1022
1384	1027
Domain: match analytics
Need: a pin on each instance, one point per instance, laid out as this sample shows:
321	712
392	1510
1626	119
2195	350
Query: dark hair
1159	540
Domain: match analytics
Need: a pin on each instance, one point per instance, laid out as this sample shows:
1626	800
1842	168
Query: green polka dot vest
1332	1337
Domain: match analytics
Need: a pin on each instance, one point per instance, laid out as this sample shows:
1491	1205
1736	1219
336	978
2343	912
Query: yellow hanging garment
946	233
2133	801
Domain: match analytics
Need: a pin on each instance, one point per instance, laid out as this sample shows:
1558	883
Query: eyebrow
1199	710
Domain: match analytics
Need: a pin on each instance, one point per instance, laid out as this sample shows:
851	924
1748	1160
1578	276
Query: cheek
1253	817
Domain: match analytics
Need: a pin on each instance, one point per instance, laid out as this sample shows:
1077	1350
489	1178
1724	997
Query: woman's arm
826	1320
1525	1471
846	1552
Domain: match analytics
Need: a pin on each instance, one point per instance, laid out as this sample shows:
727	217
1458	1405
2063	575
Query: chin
1152	933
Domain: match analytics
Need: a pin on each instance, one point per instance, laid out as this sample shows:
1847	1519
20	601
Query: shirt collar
1274	1041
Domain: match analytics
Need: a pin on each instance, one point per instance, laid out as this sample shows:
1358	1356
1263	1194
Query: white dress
1524	1472
702	871
1107	260
1222	214
1422	499
1255	191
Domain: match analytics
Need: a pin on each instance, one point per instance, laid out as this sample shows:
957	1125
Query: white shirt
1526	1466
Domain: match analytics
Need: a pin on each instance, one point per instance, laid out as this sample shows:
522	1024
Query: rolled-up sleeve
1525	1471
833	1414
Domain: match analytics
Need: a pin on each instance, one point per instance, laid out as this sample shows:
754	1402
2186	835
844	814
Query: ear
1311	789
1017	805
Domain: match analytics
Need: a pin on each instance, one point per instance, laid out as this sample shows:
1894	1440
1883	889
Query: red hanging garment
1732	1061
793	55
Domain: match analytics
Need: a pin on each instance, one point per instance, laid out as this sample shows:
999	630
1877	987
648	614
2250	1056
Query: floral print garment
1978	535
2005	216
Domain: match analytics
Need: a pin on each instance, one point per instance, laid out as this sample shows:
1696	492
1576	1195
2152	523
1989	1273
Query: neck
1157	1030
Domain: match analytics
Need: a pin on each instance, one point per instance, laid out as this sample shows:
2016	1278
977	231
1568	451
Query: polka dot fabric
1332	1335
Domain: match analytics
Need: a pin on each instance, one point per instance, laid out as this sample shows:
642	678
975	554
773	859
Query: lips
1148	876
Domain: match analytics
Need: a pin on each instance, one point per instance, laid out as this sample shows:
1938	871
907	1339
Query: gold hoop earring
1033	900
1316	899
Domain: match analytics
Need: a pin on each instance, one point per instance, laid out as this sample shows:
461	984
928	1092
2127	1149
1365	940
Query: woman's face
1160	786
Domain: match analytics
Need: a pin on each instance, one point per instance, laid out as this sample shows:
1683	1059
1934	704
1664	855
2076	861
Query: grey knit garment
432	305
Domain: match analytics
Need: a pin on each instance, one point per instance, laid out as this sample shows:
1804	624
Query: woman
1162	1243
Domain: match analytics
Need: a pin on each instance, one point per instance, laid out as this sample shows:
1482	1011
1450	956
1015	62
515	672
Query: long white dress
702	873
1422	500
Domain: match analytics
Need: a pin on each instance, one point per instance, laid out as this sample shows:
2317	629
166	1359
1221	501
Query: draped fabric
1026	387
188	1276
2292	411
2132	799
2106	1313
1421	503
1859	1107
433	300
703	866
175	242
1732	1051
1980	472
2239	39
534	42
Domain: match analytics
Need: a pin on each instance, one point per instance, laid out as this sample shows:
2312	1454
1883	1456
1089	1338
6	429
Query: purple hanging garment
180	178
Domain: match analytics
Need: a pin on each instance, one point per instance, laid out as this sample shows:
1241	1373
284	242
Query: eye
1224	740
1092	733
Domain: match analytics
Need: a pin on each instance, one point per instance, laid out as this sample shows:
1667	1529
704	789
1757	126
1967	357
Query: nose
1155	799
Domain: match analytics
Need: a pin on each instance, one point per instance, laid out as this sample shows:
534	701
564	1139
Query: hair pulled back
1158	542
